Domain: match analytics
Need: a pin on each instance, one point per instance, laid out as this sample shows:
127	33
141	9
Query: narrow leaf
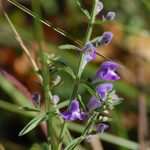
91	90
30	109
73	144
82	103
68	46
33	123
68	70
86	13
96	41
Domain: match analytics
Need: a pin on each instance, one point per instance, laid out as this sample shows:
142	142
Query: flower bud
99	7
89	138
106	38
102	127
105	119
55	99
57	80
110	16
106	112
36	99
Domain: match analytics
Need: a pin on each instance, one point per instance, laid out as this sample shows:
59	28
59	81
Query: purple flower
55	99
89	51
102	89
110	16
89	138
106	38
73	112
102	128
36	99
107	72
115	97
94	104
99	7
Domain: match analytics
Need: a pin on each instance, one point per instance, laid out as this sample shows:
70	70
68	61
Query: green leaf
96	40
86	13
35	147
91	90
33	123
63	104
73	144
30	109
82	103
68	46
68	70
117	101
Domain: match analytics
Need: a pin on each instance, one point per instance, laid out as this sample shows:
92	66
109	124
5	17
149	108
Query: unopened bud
36	99
55	99
106	112
105	119
110	16
57	80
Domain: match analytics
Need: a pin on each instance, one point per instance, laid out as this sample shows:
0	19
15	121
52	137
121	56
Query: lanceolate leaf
69	71
33	123
96	41
30	109
68	46
91	90
72	144
86	13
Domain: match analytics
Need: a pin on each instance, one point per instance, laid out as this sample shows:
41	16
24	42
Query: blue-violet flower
94	104
89	51
102	89
107	72
110	16
102	127
99	7
106	38
55	99
89	138
36	99
73	112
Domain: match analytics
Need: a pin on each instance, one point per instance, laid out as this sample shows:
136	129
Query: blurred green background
130	47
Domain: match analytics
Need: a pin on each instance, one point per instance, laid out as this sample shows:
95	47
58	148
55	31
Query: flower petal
106	38
74	106
110	16
102	127
107	72
94	104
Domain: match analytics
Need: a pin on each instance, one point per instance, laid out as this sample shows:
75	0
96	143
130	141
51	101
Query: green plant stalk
45	73
79	69
88	127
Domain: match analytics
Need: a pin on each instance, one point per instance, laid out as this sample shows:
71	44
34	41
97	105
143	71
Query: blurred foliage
131	35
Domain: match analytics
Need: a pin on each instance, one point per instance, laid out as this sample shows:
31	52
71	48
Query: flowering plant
103	97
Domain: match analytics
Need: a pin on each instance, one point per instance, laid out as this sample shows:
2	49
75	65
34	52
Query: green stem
79	69
45	73
88	127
